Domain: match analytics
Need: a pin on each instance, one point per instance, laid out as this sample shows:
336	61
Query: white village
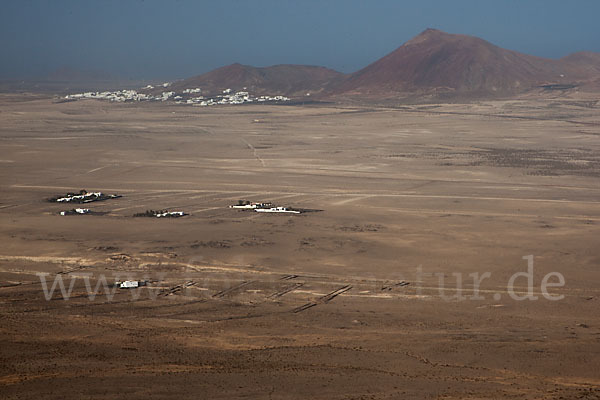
189	96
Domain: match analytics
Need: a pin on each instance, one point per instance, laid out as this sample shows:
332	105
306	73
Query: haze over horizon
168	40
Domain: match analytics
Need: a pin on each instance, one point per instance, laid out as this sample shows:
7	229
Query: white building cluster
196	90
121	96
172	214
76	211
264	207
233	98
183	97
84	197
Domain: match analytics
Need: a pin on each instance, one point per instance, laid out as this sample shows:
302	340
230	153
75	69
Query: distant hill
289	80
435	61
584	63
433	64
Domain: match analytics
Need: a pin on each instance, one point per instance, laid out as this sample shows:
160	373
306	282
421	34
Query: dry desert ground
368	296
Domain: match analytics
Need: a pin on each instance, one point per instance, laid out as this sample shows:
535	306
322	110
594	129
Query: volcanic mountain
289	80
442	63
433	63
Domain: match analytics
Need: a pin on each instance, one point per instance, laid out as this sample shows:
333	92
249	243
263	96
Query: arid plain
358	299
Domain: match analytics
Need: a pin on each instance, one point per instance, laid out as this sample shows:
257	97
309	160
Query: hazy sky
177	39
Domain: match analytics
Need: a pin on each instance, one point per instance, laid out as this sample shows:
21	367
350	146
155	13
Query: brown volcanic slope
435	61
585	59
432	63
290	80
584	64
587	65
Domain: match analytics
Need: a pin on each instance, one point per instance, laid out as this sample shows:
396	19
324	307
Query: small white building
284	210
128	284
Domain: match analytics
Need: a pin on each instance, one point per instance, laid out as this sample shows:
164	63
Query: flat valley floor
369	296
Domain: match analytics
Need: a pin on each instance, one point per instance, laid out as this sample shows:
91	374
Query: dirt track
341	303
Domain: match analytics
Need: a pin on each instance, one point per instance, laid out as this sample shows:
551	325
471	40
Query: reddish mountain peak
434	38
427	34
432	63
423	37
431	34
431	31
450	63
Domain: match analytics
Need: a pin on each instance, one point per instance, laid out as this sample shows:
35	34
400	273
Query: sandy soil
357	300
